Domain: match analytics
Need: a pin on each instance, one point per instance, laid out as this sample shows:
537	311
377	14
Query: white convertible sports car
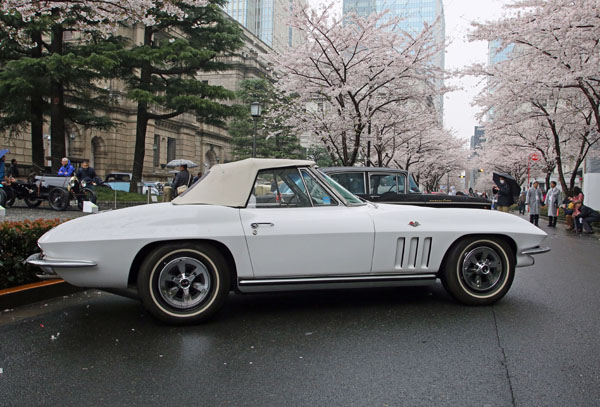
262	225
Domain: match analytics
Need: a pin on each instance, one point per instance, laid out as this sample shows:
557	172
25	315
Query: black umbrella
515	189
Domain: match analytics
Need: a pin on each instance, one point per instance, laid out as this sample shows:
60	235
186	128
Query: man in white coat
553	199
534	199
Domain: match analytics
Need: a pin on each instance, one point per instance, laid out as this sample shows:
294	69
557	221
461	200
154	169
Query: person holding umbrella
505	196
3	195
2	164
182	181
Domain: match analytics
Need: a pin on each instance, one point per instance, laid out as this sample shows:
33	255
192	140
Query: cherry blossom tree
549	85
431	156
356	80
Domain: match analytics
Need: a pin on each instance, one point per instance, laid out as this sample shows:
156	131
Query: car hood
463	219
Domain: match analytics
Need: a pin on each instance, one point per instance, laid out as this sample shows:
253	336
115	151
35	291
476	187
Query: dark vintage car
60	192
395	186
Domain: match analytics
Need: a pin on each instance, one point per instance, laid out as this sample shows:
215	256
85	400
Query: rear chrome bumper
47	266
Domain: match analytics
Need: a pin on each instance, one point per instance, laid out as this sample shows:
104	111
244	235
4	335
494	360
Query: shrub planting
18	240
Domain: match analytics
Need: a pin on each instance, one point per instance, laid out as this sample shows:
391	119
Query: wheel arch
505	238
144	251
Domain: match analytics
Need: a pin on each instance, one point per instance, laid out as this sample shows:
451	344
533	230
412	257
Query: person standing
13	171
67	169
505	199
182	179
553	198
2	168
534	199
197	177
522	197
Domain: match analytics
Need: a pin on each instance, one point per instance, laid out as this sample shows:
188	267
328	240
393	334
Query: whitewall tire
479	270
183	282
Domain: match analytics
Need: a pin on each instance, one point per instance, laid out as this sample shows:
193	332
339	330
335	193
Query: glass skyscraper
413	14
495	54
263	19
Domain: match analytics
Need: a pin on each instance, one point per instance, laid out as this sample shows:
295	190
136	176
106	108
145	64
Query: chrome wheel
184	282
482	269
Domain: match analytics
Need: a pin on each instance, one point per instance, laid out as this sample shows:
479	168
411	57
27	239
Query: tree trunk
561	175
140	146
37	132
142	121
57	106
37	116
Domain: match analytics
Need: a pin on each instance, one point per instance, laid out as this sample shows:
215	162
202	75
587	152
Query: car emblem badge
414	223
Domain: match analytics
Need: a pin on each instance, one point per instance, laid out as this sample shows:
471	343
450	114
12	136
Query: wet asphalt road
539	346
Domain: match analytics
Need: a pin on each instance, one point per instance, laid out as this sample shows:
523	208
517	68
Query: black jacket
586	211
182	178
504	196
86	174
13	171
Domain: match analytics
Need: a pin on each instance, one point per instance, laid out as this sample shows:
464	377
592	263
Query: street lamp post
255	111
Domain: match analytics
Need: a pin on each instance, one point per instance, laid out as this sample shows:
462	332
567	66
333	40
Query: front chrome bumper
525	257
47	266
535	250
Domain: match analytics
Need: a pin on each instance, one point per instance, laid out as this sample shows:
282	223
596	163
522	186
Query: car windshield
414	188
350	198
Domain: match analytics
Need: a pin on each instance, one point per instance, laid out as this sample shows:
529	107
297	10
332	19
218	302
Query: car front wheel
88	195
479	271
183	283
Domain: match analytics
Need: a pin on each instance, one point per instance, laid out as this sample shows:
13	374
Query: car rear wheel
58	199
33	202
183	283
479	271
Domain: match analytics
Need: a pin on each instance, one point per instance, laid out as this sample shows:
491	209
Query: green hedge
18	240
108	195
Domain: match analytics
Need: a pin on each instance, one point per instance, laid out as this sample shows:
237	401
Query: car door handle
257	224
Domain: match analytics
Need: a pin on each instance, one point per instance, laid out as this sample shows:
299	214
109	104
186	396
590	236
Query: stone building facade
181	137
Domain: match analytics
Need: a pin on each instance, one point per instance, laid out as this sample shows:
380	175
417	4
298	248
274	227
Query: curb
35	292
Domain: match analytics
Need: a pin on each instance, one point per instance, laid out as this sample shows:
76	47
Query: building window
171	145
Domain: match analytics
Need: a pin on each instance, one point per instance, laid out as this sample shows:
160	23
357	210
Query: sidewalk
560	227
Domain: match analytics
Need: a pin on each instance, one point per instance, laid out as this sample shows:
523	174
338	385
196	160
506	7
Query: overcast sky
459	115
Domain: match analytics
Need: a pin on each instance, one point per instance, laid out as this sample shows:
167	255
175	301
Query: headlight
83	184
72	183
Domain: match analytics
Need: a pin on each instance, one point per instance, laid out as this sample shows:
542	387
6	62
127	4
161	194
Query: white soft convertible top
230	184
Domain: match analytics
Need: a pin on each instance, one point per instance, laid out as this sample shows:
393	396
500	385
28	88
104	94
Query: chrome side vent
399	262
413	253
426	252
